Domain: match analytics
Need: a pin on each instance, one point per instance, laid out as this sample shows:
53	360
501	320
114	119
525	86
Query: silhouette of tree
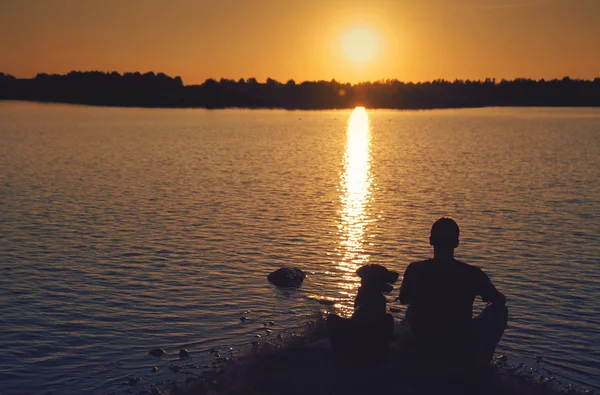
160	90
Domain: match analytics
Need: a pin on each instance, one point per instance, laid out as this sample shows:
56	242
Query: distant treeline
160	90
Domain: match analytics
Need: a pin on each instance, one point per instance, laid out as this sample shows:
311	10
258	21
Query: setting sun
360	45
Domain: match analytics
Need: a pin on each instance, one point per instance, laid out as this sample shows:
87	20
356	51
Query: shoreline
301	361
160	90
257	108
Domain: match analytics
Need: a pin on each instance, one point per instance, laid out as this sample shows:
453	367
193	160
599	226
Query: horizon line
297	82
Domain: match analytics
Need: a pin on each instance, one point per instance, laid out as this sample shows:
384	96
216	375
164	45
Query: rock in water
157	352
287	277
183	354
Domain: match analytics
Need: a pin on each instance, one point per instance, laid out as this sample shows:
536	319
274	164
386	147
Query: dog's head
377	276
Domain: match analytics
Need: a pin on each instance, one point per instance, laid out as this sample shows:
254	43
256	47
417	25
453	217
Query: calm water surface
127	229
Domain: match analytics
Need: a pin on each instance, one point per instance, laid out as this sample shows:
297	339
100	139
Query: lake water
127	229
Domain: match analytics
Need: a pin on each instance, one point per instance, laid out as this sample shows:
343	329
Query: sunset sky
350	41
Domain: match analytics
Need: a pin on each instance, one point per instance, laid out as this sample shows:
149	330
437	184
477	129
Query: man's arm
407	287
488	291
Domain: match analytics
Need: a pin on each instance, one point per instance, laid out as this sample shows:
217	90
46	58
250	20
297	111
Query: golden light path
355	185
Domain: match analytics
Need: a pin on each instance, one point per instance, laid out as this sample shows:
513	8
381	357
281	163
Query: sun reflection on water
355	187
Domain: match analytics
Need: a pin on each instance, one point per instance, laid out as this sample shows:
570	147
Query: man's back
441	294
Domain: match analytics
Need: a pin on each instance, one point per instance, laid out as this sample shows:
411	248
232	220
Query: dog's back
369	304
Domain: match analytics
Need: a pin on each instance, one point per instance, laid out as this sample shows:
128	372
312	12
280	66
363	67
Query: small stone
269	331
271	323
502	358
265	324
257	335
134	380
157	352
287	277
184	354
243	318
246	312
155	369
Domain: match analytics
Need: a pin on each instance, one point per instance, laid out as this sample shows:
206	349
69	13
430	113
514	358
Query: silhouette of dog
367	334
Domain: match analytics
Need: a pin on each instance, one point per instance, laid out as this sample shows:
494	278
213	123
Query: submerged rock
287	277
157	352
184	354
155	369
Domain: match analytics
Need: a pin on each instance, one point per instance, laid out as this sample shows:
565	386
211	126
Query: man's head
444	234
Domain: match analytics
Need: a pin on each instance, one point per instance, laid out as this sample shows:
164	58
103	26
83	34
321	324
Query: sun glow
361	45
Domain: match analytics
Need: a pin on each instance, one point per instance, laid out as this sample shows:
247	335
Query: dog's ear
392	277
363	271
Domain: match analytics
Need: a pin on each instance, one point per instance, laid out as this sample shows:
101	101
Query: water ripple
126	229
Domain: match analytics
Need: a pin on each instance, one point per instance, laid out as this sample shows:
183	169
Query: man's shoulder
468	266
419	268
421	263
418	264
464	264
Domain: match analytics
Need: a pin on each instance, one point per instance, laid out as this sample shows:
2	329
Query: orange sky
418	40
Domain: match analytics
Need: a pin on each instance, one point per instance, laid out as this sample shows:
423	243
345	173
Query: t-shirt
441	295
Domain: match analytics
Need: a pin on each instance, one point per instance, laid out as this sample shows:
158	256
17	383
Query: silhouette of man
440	293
